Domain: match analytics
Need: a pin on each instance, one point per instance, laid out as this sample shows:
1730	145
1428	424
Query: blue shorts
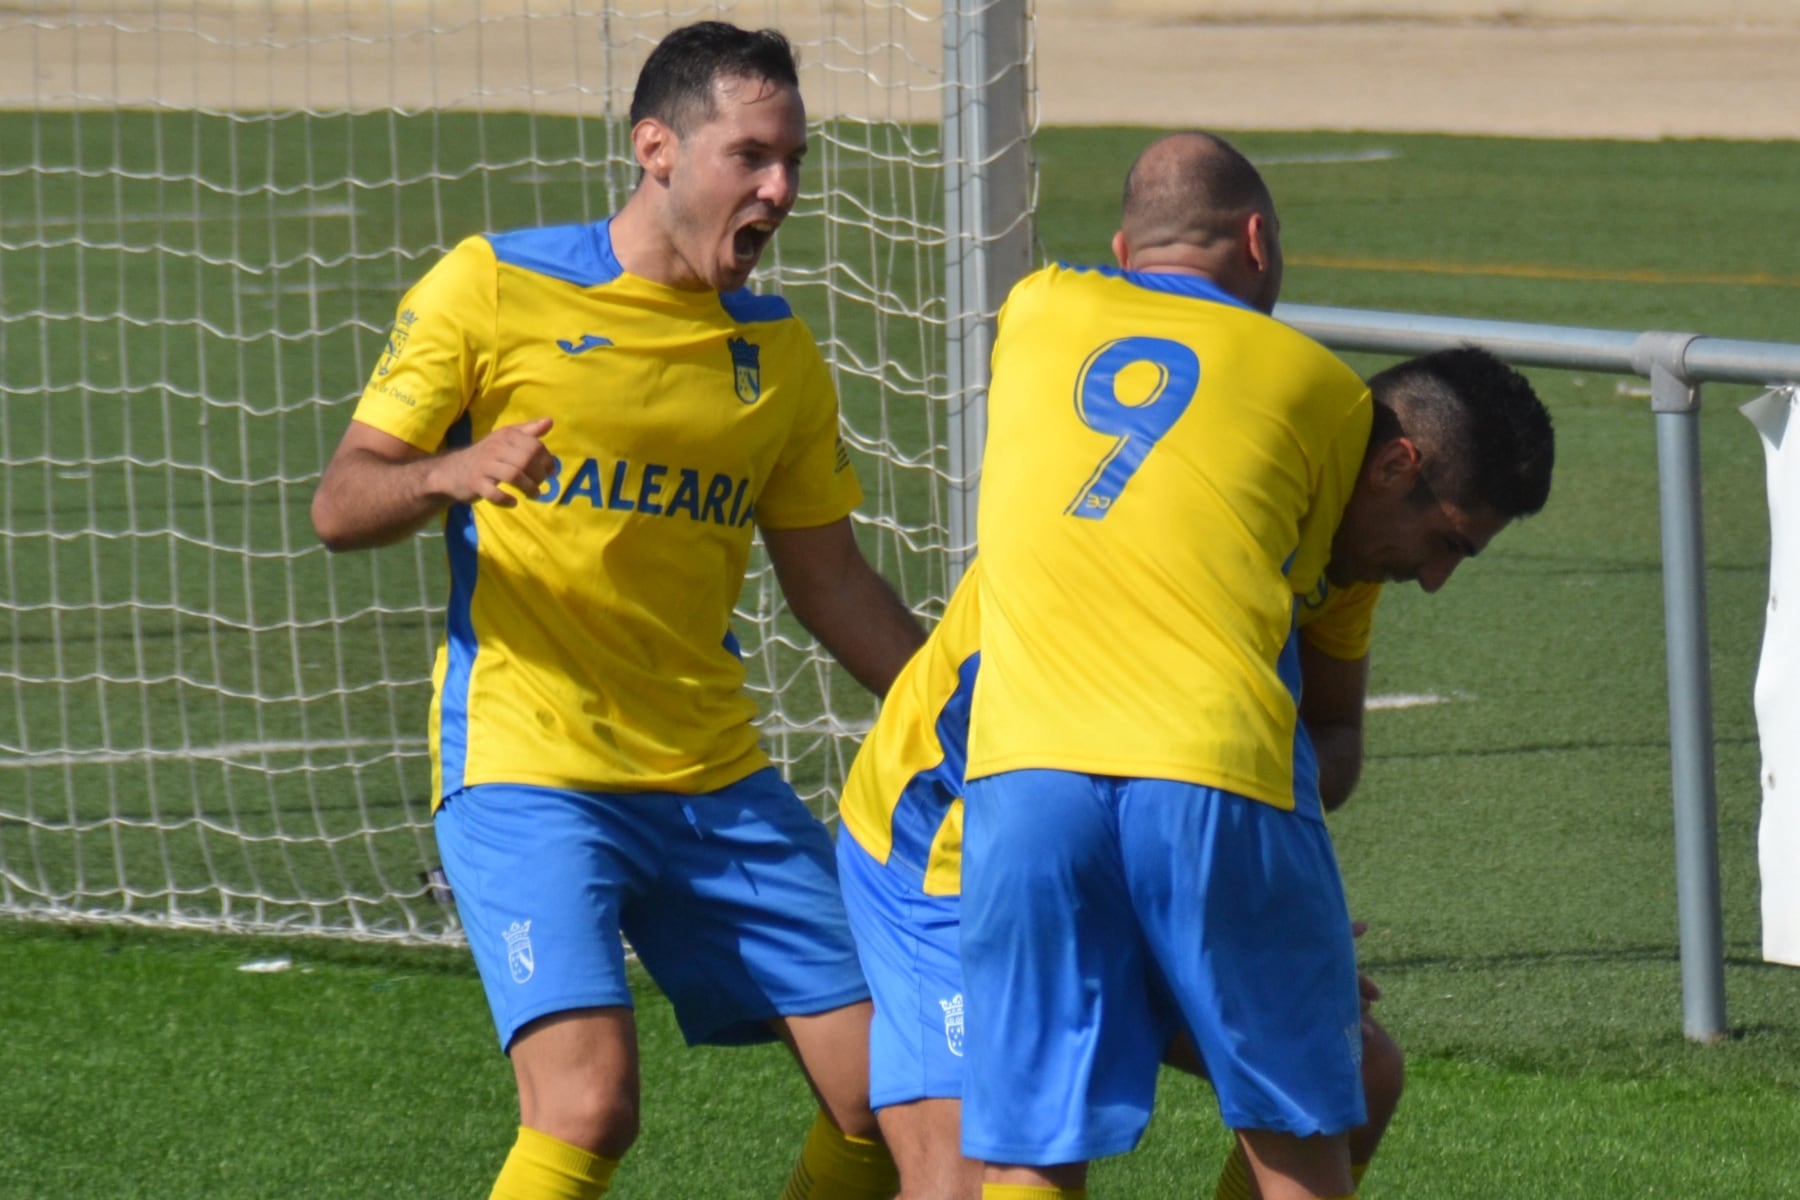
729	899
1090	902
907	942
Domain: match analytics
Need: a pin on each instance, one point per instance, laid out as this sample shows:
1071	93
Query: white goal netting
207	214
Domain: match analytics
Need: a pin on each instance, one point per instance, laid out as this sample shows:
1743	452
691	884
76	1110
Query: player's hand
513	455
1367	990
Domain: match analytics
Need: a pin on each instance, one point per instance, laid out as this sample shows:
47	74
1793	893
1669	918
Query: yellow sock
835	1166
1234	1176
542	1167
1019	1191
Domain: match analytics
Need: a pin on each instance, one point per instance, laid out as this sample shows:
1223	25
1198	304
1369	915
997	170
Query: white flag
1778	679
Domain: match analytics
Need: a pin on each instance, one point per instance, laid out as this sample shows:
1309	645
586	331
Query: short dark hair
676	84
1484	434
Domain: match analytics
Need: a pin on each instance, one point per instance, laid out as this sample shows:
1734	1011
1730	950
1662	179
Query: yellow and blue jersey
1165	469
588	638
902	801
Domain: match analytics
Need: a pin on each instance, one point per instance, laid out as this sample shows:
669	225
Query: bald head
1193	202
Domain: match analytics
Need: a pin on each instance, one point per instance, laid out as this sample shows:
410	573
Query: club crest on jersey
396	341
953	1023
520	958
746	369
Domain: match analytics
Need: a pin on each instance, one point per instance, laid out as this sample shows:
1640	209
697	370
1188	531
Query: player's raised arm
378	488
844	602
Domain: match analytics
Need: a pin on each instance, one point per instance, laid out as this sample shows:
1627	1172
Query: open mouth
748	242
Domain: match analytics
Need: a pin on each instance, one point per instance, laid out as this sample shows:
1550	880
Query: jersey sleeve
1335	455
439	351
813	482
1341	625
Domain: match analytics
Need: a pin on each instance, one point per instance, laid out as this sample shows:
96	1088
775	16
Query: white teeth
763	226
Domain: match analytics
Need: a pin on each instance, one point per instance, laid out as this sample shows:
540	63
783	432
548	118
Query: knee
854	1119
578	1080
604	1124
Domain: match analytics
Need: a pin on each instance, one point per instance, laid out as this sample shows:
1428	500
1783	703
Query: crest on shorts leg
953	1023
520	959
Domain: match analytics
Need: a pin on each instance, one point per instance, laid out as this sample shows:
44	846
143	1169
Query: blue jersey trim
928	795
583	255
1306	759
460	643
578	254
1175	284
748	308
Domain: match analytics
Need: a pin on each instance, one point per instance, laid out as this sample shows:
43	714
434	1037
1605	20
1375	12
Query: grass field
1510	847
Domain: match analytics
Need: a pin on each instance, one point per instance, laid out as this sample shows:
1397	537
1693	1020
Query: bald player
1168	471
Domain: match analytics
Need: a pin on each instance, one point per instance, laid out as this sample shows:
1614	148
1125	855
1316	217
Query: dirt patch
1550	79
1137	63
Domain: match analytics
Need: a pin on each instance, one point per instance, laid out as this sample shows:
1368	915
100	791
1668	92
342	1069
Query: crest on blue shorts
746	369
520	959
953	1023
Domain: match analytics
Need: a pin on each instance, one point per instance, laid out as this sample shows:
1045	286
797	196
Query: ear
654	144
1394	468
1256	242
1121	250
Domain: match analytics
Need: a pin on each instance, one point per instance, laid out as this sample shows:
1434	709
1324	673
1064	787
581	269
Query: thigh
1245	914
1063	1039
907	944
745	923
539	878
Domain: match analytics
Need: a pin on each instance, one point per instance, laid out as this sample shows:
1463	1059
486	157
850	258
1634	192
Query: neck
643	249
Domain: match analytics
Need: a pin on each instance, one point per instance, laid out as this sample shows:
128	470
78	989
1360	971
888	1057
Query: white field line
1409	700
227	750
1328	157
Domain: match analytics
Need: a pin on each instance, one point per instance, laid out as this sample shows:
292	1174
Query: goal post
208	212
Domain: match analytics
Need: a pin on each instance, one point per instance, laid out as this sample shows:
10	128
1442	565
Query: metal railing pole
1675	401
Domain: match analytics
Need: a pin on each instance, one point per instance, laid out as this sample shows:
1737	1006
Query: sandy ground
1097	63
1541	79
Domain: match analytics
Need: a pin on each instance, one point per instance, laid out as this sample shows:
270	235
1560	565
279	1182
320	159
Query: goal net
208	211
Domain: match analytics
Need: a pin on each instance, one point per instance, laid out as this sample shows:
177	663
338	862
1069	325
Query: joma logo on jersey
589	341
519	956
652	488
746	369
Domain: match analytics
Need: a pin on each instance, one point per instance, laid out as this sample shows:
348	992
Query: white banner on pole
1778	679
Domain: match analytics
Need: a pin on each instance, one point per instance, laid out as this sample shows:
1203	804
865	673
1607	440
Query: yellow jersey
902	800
588	634
1165	469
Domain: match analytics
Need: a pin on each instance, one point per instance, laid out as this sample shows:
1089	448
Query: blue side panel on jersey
929	794
747	308
1191	286
1306	760
577	254
453	701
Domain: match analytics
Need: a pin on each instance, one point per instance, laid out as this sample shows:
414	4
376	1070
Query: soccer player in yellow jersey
1168	468
603	416
899	852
